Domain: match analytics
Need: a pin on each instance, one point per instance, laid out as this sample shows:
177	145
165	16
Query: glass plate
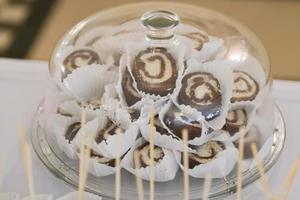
66	169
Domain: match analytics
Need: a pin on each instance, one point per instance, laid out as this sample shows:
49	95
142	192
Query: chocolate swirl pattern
235	120
103	160
245	88
160	129
131	94
198	39
155	71
80	58
72	131
201	91
205	153
106	132
176	121
143	152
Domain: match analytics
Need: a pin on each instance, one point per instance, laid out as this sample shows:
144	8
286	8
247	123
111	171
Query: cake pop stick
287	184
139	183
185	164
240	165
151	141
206	188
118	168
27	161
265	182
84	154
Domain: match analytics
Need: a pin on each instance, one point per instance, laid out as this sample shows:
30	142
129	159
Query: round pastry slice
245	88
205	153
175	120
109	130
72	131
143	153
130	93
235	120
160	129
155	71
80	58
201	90
198	39
102	160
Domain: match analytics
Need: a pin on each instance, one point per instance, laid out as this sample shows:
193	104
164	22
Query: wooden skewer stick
84	155
264	178
207	184
151	166
240	165
27	161
287	184
139	183
185	164
117	166
291	177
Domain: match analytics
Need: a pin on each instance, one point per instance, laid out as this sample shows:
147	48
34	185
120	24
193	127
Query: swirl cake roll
170	138
101	165
175	120
155	71
73	58
198	39
104	130
66	131
88	83
245	88
204	92
204	47
165	166
131	95
201	90
214	157
71	108
236	120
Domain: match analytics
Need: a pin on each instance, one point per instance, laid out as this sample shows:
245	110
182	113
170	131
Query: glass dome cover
193	68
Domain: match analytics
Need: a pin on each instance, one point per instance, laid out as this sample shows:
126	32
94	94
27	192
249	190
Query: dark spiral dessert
176	121
205	153
155	71
143	153
72	131
201	90
160	129
198	39
130	93
80	58
245	88
103	160
109	130
235	120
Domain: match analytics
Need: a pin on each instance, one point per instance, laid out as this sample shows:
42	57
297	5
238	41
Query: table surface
23	84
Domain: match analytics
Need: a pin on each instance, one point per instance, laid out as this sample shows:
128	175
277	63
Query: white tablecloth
24	83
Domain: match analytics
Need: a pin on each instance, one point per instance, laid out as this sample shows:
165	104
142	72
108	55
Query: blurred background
30	28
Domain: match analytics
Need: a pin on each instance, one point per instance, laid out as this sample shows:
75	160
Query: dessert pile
118	79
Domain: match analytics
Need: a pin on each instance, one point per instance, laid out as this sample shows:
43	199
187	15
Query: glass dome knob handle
160	24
